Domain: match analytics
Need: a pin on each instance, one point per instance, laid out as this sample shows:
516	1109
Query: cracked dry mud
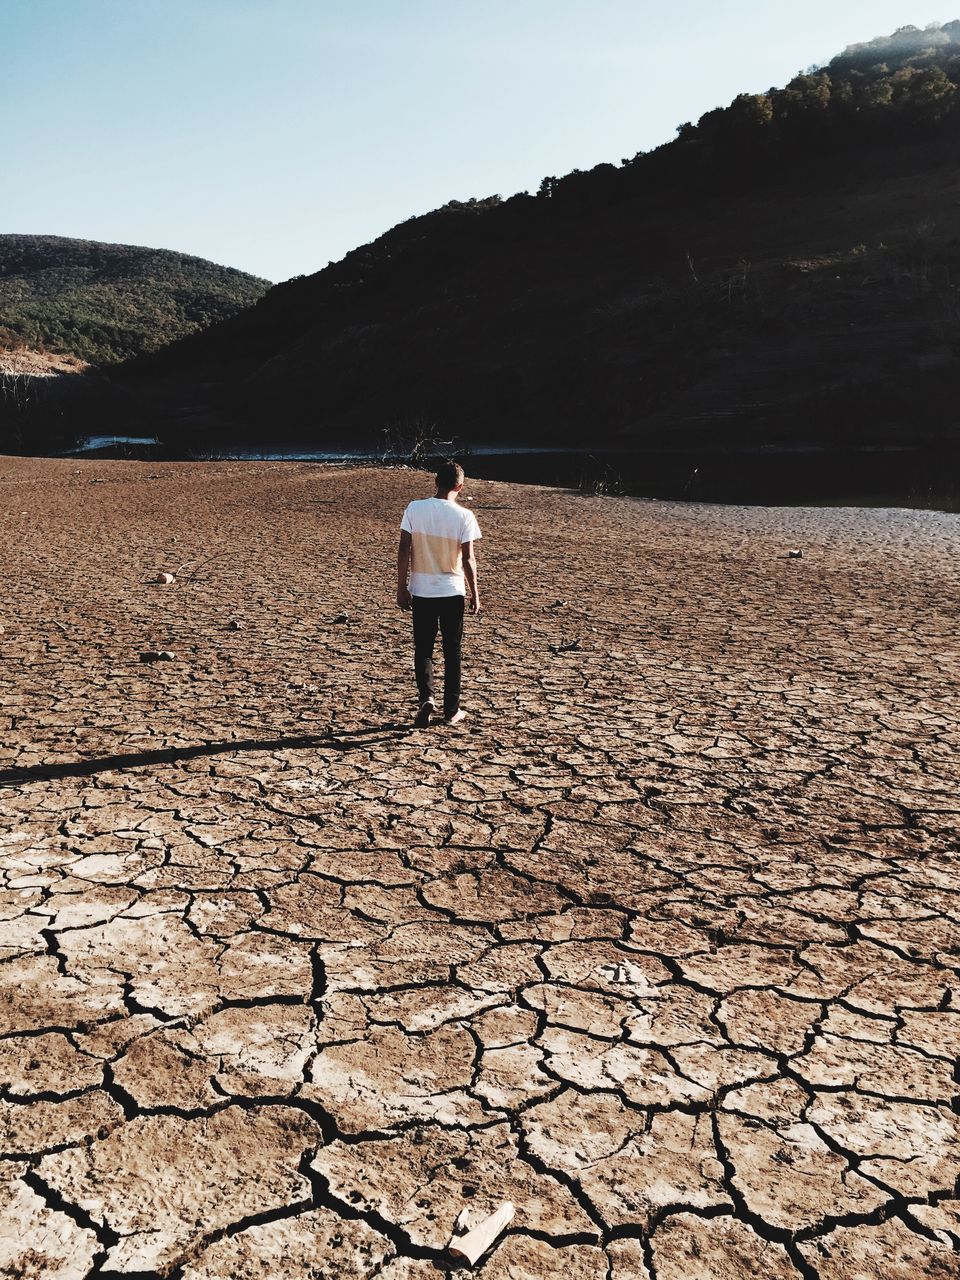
661	945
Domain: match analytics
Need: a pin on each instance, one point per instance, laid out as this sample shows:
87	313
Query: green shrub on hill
108	302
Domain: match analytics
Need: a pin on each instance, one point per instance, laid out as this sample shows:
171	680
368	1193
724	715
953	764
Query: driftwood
479	1239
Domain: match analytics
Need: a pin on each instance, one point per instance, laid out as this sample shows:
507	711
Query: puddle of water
799	476
97	444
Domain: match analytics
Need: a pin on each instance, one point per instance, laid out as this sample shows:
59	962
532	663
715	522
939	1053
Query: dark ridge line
455	1019
40	1153
324	1198
314	1109
174	1273
35	1032
897	1203
646	1245
104	1234
257	1002
46	1095
893	1207
125	1100
645	1236
318	982
703	1107
563	1241
765	1230
134	1007
52	944
173	755
82	1027
263	1218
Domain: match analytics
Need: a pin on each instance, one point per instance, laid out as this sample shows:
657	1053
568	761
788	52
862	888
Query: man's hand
470	574
404	599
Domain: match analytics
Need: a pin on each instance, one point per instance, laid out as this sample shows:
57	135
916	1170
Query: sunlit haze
277	136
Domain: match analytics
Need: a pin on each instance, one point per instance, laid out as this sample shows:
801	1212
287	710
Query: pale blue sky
274	136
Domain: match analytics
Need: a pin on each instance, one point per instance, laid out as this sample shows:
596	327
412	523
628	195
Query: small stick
461	1224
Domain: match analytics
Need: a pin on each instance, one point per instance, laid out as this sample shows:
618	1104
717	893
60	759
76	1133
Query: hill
786	269
107	302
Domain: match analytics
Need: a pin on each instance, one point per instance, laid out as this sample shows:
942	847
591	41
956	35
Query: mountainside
108	302
784	270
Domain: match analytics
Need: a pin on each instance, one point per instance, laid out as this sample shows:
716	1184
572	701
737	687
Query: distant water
102	444
797	476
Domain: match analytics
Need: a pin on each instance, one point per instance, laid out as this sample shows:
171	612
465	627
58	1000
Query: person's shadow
330	740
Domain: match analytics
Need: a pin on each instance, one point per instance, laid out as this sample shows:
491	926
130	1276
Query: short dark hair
449	475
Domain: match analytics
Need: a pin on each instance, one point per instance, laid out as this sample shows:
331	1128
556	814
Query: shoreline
898	477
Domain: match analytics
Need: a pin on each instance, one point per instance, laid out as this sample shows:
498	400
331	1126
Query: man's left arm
470	574
404	599
469	537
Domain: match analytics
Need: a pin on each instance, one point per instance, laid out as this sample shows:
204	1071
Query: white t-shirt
438	527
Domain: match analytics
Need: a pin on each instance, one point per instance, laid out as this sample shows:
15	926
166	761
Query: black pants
429	614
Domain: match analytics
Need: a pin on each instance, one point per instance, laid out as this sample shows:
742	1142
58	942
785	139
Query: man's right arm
470	573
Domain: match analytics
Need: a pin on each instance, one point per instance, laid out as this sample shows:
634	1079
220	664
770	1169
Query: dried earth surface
661	945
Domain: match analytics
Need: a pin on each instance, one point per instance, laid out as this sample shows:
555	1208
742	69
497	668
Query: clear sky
274	135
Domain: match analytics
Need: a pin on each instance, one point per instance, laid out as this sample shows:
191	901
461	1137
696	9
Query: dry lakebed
660	946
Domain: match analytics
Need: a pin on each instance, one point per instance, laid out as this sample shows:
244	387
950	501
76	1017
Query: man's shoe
457	718
422	718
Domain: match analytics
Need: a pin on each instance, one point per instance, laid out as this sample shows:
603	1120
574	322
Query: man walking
435	565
